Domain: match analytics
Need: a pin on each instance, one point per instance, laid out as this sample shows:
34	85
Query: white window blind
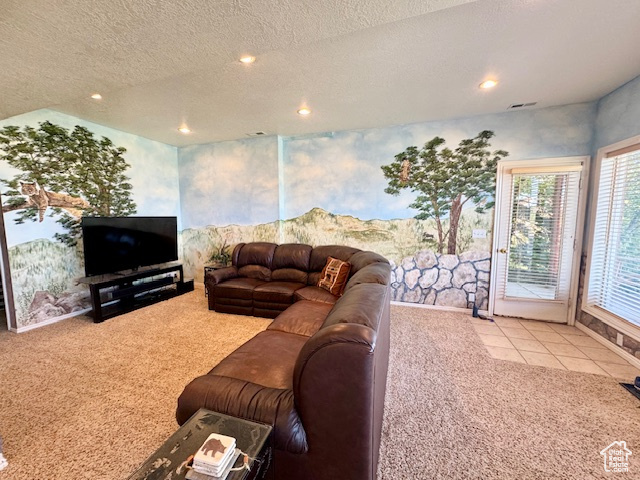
540	250
614	275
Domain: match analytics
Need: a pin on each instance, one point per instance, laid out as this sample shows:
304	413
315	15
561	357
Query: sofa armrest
211	279
218	276
339	398
329	346
247	400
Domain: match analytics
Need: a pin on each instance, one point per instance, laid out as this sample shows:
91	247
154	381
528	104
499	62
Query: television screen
113	244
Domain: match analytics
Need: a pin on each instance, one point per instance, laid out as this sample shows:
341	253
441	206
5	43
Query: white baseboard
436	307
611	346
49	321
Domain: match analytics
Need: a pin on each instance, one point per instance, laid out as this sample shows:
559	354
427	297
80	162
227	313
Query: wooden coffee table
251	437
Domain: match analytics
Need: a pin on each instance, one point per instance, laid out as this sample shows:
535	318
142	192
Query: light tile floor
551	345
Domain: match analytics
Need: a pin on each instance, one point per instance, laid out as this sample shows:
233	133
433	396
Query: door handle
503	250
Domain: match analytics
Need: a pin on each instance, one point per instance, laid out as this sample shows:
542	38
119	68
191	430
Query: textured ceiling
355	63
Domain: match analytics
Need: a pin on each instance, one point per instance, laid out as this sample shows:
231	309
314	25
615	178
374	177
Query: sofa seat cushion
241	287
247	400
290	275
276	292
267	359
302	318
315	294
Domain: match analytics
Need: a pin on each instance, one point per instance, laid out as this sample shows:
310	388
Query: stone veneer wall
629	344
434	279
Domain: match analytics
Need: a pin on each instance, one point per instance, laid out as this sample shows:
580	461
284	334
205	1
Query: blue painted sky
153	173
340	172
619	115
238	182
233	182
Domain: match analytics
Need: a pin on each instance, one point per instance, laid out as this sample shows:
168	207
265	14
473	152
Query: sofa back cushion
236	253
254	260
319	257
291	262
255	271
362	304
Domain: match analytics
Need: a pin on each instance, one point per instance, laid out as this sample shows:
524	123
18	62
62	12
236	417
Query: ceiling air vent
521	105
256	134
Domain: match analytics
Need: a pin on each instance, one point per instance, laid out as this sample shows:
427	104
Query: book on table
214	456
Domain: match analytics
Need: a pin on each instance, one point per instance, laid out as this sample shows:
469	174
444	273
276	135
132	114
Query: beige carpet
453	412
91	401
86	401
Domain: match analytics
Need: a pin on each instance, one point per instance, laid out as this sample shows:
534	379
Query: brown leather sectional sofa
318	372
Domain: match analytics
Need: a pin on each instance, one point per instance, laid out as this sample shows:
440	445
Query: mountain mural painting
419	275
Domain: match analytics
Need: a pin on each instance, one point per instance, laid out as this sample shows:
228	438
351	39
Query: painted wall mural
68	173
445	181
332	191
325	188
234	182
352	174
55	168
228	194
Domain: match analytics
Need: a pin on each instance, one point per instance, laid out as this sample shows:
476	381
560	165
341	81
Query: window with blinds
540	250
614	271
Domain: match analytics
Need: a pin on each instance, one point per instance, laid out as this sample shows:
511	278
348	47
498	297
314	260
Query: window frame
624	326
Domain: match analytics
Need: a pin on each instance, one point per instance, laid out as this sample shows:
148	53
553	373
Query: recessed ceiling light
247	59
96	96
304	111
184	129
488	84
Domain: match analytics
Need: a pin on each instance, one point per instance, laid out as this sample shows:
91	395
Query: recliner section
266	278
263	278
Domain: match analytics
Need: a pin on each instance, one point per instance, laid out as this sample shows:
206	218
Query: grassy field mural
44	277
394	239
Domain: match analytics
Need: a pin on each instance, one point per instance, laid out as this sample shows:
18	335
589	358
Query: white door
537	239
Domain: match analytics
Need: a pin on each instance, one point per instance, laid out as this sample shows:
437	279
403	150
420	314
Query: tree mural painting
445	180
70	172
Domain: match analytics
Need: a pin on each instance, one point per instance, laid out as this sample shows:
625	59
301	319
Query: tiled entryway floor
551	345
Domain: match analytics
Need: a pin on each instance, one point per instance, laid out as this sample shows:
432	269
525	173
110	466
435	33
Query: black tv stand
120	292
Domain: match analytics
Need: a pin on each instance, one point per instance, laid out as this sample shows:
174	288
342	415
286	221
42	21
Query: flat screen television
113	244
